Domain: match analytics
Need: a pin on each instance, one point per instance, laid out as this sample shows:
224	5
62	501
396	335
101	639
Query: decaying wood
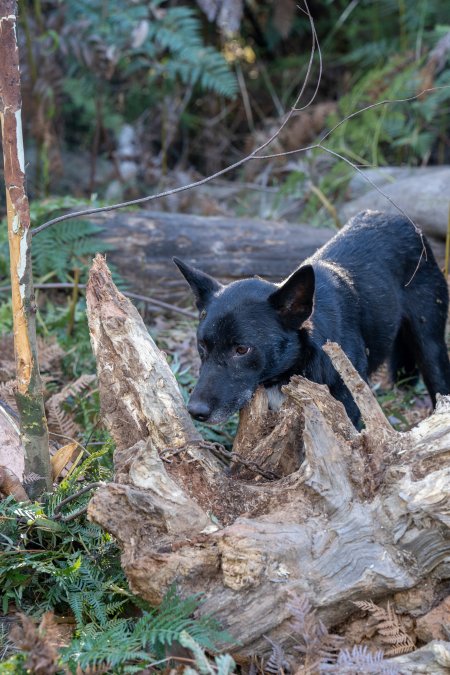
12	453
143	244
433	659
354	516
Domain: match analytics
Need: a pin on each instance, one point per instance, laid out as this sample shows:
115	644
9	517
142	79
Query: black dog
364	289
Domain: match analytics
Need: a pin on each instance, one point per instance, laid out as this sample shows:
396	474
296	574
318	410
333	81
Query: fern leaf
201	660
225	664
59	420
58	251
360	660
315	642
390	628
276	662
50	353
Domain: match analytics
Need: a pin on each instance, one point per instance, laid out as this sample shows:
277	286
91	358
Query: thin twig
160	303
447	244
57	515
423	252
375	186
72	516
228	456
245	98
315	189
129	294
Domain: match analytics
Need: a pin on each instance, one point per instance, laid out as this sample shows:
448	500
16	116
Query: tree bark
33	425
144	242
352	516
12	454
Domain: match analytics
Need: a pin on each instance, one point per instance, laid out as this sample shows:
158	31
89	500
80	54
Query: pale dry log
329	530
132	374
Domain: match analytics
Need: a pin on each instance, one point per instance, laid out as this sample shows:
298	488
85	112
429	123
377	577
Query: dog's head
247	335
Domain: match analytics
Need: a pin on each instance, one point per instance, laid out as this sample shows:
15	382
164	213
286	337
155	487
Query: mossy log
353	515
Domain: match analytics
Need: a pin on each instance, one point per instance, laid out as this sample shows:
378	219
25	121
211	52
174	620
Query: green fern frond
66	247
172	618
194	63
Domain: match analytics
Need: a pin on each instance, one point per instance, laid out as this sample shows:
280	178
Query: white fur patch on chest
275	397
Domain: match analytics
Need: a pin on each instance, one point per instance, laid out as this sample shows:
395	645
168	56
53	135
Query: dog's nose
200	410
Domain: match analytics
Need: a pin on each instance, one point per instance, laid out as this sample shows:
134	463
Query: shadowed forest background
123	99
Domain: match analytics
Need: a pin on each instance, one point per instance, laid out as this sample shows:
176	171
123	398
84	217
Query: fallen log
144	242
352	515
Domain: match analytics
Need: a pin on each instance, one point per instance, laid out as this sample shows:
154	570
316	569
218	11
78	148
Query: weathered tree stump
353	516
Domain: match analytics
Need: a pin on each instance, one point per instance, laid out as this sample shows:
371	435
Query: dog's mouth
203	413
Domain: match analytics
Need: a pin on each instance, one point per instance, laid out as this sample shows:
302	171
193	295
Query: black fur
364	289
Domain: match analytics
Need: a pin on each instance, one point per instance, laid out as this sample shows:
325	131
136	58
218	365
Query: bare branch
128	294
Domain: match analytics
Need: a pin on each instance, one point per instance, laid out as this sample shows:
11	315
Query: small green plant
127	645
404	404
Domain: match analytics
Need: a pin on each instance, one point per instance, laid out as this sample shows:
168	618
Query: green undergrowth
73	569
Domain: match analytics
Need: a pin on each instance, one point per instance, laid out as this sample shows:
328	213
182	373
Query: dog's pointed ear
202	285
293	300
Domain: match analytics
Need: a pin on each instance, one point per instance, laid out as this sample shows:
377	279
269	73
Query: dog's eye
241	350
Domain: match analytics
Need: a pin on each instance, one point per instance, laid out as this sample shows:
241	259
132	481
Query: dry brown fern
50	354
313	640
38	642
390	628
61	421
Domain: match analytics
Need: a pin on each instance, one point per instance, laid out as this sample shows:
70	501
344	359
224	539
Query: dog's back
379	277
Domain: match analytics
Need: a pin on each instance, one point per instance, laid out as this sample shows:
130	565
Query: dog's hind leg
427	317
402	361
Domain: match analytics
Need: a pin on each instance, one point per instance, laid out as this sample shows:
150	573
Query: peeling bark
33	425
12	453
353	516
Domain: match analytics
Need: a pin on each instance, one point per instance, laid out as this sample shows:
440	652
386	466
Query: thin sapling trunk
29	397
